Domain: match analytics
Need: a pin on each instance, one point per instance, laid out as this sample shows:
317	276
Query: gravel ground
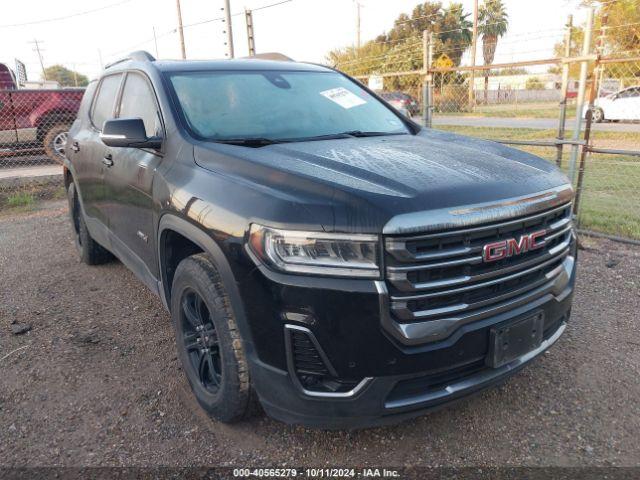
96	380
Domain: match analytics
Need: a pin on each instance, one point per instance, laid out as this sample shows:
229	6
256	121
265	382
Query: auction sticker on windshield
343	97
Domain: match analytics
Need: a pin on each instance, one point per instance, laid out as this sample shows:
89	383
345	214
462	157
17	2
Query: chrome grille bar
401	281
398	248
401	311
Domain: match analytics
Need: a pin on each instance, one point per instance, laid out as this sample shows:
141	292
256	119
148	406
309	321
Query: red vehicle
35	119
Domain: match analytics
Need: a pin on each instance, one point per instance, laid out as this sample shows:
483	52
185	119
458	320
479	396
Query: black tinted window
105	99
138	101
630	92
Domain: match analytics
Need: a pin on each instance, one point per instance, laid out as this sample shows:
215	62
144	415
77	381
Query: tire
54	142
597	115
209	344
89	251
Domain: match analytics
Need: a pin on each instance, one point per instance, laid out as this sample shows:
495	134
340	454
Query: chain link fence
33	134
589	125
609	171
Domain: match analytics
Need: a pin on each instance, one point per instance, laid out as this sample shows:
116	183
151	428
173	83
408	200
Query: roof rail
270	56
138	55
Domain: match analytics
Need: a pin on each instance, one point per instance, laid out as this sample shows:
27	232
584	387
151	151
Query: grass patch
523	110
28	198
20	199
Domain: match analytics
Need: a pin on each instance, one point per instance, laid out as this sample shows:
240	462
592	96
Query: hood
392	175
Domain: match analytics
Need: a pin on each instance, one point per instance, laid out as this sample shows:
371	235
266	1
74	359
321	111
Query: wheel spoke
212	370
190	312
191	341
202	368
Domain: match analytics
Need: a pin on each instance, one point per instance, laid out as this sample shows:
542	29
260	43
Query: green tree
66	77
534	83
493	22
621	39
400	49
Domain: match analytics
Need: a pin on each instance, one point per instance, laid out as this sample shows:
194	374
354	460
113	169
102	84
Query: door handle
108	160
75	147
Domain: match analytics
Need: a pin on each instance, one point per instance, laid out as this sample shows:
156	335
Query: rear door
89	158
129	181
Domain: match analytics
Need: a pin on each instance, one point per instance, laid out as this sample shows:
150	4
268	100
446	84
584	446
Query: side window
105	100
138	101
630	92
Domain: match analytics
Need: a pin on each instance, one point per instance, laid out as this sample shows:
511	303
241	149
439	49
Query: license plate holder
512	340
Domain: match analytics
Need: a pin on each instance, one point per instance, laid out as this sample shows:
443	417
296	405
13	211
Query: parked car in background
622	105
403	102
35	119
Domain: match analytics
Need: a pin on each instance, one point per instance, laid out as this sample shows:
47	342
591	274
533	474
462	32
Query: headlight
316	253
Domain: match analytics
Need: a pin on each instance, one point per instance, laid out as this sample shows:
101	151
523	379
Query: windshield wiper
360	133
249	142
337	136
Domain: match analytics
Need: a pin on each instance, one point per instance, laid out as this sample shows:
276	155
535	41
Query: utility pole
358	37
37	49
155	41
229	31
181	31
75	74
474	44
100	59
250	35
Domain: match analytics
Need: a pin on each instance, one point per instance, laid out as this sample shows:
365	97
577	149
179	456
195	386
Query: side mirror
127	132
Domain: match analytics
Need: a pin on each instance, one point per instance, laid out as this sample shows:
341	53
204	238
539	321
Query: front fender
198	236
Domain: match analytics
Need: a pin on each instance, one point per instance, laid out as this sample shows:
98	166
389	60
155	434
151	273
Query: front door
129	181
626	105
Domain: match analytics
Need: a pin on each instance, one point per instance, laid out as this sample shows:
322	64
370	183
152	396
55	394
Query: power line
65	17
201	22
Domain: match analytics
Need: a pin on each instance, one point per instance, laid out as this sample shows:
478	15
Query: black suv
319	253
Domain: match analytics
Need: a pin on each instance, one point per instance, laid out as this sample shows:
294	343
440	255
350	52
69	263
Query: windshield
279	105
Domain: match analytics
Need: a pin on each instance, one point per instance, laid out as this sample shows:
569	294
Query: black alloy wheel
201	341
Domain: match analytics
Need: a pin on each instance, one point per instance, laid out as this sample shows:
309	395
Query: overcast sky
302	29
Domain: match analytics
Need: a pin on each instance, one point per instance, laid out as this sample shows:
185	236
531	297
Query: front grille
443	276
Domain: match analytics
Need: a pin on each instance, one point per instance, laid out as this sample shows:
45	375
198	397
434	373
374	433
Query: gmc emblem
495	251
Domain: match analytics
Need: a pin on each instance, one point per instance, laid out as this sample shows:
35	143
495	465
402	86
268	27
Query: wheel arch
170	224
52	117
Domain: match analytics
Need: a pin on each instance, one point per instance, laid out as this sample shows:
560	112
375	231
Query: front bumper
422	379
375	405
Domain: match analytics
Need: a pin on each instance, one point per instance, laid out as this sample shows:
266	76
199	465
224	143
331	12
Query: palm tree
492	24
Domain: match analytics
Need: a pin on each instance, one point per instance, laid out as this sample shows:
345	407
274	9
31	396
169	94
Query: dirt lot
96	380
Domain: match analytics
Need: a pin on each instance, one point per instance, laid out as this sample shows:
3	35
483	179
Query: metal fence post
564	89
427	82
587	139
584	64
